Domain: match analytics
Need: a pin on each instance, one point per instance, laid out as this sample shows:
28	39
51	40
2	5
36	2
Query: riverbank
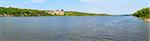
147	20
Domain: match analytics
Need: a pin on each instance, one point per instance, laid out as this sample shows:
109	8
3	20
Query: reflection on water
149	29
60	28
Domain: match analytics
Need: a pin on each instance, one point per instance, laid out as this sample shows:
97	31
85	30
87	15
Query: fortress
56	12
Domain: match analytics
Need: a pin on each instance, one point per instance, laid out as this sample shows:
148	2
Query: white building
56	12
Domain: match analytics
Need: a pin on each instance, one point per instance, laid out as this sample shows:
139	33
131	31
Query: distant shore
12	11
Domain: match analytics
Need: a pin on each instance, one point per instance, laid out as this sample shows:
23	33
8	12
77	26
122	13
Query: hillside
11	11
143	13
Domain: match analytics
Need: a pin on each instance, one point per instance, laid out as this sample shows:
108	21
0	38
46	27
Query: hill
11	11
143	13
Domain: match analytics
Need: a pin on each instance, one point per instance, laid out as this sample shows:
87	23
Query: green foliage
143	13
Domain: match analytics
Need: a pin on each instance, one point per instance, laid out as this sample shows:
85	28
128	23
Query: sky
114	7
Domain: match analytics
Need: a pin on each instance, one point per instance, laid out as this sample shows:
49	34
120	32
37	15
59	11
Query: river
73	28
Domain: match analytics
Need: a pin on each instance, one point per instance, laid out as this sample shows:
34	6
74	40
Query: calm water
87	28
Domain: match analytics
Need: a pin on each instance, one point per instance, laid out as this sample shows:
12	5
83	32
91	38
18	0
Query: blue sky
116	7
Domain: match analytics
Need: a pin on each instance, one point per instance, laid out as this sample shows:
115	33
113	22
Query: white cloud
96	1
38	1
90	1
35	1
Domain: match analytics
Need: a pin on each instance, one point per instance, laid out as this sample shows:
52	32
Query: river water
73	28
149	29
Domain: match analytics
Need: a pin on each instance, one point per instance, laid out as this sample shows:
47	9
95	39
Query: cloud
36	1
96	1
89	1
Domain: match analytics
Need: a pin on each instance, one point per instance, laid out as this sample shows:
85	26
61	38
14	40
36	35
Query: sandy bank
147	20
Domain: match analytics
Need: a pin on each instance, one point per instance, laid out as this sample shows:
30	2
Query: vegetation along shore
11	11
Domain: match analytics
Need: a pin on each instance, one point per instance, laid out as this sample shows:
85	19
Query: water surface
65	28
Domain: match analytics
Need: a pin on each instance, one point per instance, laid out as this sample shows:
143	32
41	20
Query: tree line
11	11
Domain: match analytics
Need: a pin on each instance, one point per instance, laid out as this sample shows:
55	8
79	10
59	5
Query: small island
12	11
143	14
